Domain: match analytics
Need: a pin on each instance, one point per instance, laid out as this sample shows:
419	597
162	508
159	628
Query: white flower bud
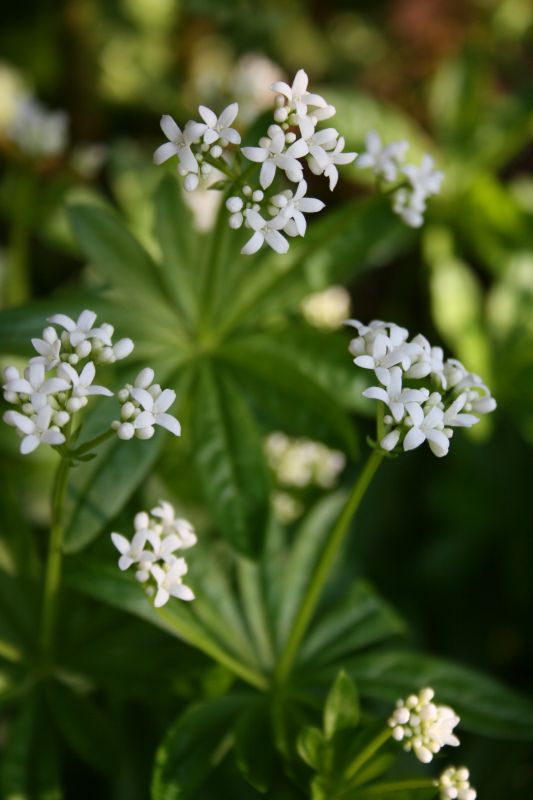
281	114
123	348
127	410
236	220
247	190
182	171
144	378
216	151
145	433
75	404
126	431
61	418
199	157
10	397
279	200
50	335
141	521
234	204
28	409
73	359
265	142
123	395
83	349
257	196
155	390
205	169
11	374
290	137
204	147
279	101
191	181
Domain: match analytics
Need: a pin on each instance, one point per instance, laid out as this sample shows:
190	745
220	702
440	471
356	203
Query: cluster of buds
454	784
422	726
58	382
427	396
417	182
143	406
158	536
291	140
302	462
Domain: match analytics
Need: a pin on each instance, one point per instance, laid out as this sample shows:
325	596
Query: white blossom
143	406
302	462
36	383
38	132
424	179
394	395
81	385
422	726
158	535
48	347
82	329
426	425
179	144
35	428
293	206
296	96
265	230
274	154
454	784
218	128
327	165
384	161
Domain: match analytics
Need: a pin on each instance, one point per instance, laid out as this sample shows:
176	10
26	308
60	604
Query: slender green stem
92	443
380	789
210	648
366	753
324	566
53	565
17	277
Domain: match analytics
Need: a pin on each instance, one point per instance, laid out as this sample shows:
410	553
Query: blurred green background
447	542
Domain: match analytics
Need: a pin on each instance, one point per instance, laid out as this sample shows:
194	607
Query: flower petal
253	244
208	116
169	423
170	128
164	152
228	115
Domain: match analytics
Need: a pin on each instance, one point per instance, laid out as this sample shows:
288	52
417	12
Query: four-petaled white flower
216	128
265	230
132	552
154	412
179	144
170	584
274	154
394	395
425	179
49	348
296	205
35	383
326	164
35	429
82	329
384	161
82	383
426	426
297	96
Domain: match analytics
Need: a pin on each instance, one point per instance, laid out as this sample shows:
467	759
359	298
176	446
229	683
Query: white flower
297	96
216	128
35	383
301	462
273	154
38	132
326	161
425	179
426	425
395	396
327	309
380	346
295	206
49	348
478	396
132	552
35	429
453	418
428	361
410	206
81	383
382	160
154	412
180	528
179	144
170	584
454	784
422	726
82	329
265	230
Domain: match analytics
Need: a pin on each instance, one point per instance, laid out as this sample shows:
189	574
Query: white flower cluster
327	309
292	137
418	412
302	462
422	726
38	133
454	784
152	549
417	182
197	142
59	380
144	405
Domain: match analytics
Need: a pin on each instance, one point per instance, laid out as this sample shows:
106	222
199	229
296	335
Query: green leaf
255	608
275	383
310	746
484	705
230	461
179	245
254	750
122	261
341	710
358	619
190	749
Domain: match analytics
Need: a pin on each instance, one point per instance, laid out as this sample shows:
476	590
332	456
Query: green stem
17	277
210	648
379	789
325	565
53	565
85	448
366	754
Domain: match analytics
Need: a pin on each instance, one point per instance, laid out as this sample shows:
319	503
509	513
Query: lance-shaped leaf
230	460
